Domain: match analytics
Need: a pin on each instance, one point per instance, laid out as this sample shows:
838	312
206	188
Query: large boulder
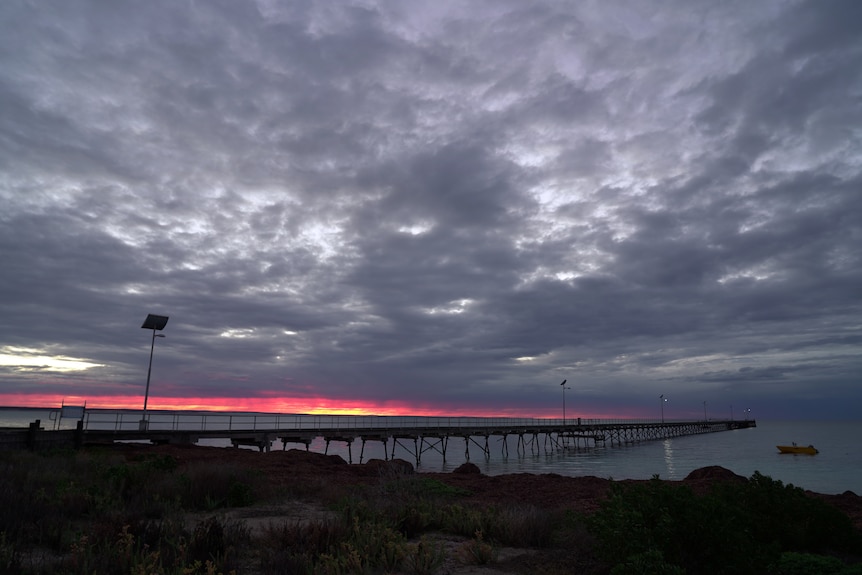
468	468
391	467
714	473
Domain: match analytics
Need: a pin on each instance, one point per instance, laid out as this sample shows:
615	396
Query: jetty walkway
413	435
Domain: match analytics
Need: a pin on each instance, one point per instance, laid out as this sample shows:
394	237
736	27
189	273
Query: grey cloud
440	205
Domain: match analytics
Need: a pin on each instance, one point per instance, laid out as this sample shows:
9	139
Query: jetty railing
98	420
413	434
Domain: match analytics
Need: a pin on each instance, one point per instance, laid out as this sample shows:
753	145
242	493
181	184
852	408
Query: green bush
476	551
518	526
462	520
93	511
424	557
296	546
735	528
791	520
206	487
647	563
792	563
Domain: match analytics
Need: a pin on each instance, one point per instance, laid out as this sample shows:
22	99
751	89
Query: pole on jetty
662	399
564	401
155	323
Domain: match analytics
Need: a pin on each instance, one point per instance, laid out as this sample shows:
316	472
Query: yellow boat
805	450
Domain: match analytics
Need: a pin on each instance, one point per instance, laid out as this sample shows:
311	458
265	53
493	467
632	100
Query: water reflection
668	459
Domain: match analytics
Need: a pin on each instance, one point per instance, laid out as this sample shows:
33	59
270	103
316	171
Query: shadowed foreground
190	509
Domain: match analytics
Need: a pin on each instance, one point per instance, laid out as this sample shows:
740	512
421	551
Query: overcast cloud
435	205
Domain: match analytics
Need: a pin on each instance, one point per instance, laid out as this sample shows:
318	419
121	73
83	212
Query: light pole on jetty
155	323
564	401
661	400
704	412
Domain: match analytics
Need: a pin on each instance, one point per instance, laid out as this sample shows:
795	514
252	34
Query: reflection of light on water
668	459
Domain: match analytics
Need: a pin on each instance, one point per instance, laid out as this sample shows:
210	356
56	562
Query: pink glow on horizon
311	406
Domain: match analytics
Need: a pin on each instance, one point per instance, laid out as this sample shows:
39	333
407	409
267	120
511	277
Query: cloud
382	204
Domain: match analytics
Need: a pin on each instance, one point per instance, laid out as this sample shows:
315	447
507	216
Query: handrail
104	420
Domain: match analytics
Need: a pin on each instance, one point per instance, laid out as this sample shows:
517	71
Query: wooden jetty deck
413	435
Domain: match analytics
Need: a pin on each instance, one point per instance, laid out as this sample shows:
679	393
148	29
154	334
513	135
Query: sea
835	469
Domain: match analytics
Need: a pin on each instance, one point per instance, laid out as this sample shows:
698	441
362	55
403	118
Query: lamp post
662	399
563	385
705	419
747	413
155	323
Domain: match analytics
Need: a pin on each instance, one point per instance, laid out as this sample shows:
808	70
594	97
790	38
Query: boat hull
798	449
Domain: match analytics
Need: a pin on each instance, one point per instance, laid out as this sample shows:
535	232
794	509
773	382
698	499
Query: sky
448	207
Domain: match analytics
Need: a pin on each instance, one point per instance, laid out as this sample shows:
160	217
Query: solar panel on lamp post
155	323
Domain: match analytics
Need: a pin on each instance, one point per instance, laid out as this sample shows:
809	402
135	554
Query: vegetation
68	512
759	526
95	512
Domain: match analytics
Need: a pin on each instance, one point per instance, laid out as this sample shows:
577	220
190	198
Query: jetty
406	435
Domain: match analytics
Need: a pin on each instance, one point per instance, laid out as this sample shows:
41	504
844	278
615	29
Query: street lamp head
157	322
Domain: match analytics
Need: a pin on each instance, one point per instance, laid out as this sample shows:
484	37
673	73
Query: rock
301	456
470	468
393	467
714	473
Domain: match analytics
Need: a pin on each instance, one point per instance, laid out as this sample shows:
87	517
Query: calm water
837	468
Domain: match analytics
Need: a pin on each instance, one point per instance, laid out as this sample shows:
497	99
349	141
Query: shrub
85	512
10	560
412	504
476	551
647	563
297	546
205	486
376	544
461	520
735	528
793	521
519	526
806	564
424	557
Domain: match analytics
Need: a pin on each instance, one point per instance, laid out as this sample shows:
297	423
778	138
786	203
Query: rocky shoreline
288	470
